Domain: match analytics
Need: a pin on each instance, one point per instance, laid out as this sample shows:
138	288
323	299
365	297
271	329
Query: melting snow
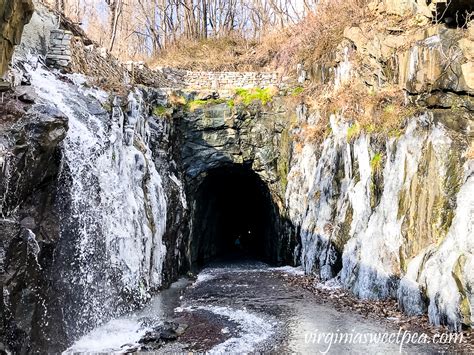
332	284
290	270
254	329
109	338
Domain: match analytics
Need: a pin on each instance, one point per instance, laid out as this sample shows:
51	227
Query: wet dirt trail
239	308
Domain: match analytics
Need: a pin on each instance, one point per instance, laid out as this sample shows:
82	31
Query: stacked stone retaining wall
65	51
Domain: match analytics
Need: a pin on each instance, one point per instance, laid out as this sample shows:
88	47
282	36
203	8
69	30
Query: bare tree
116	8
143	28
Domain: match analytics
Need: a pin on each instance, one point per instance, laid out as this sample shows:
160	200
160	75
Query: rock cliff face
30	161
454	13
389	215
107	198
14	14
390	219
253	137
86	229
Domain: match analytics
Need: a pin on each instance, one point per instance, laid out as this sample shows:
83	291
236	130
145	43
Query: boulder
169	331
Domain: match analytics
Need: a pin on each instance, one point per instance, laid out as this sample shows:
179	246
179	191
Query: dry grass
319	33
312	39
214	54
176	99
380	113
315	133
386	112
383	111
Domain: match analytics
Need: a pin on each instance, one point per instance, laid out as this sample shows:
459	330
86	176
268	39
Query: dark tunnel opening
234	218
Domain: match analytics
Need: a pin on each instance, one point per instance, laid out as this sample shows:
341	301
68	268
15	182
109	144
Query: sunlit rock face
401	229
392	217
453	13
14	14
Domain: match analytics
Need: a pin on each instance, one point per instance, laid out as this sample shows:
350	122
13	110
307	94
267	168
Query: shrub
315	37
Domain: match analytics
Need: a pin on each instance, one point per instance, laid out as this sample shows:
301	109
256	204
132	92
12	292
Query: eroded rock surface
30	158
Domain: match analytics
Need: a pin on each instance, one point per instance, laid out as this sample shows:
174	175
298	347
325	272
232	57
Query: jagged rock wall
454	12
391	216
402	7
380	228
86	232
36	34
14	14
252	135
30	159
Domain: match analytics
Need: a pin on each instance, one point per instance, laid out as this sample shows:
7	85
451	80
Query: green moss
376	185
395	133
160	110
327	131
376	162
390	109
401	204
464	304
297	91
356	170
247	96
370	128
353	132
195	104
403	261
107	106
343	232
452	184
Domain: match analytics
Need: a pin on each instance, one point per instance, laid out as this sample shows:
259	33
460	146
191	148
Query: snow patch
290	270
203	277
254	329
109	338
330	285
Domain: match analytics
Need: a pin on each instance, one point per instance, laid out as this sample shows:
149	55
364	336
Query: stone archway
234	161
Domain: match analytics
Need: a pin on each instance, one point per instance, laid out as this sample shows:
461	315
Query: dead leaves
381	310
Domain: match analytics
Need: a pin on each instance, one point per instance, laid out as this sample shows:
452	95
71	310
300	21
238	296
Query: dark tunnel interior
234	217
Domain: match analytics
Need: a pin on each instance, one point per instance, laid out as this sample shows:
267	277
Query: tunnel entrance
234	217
